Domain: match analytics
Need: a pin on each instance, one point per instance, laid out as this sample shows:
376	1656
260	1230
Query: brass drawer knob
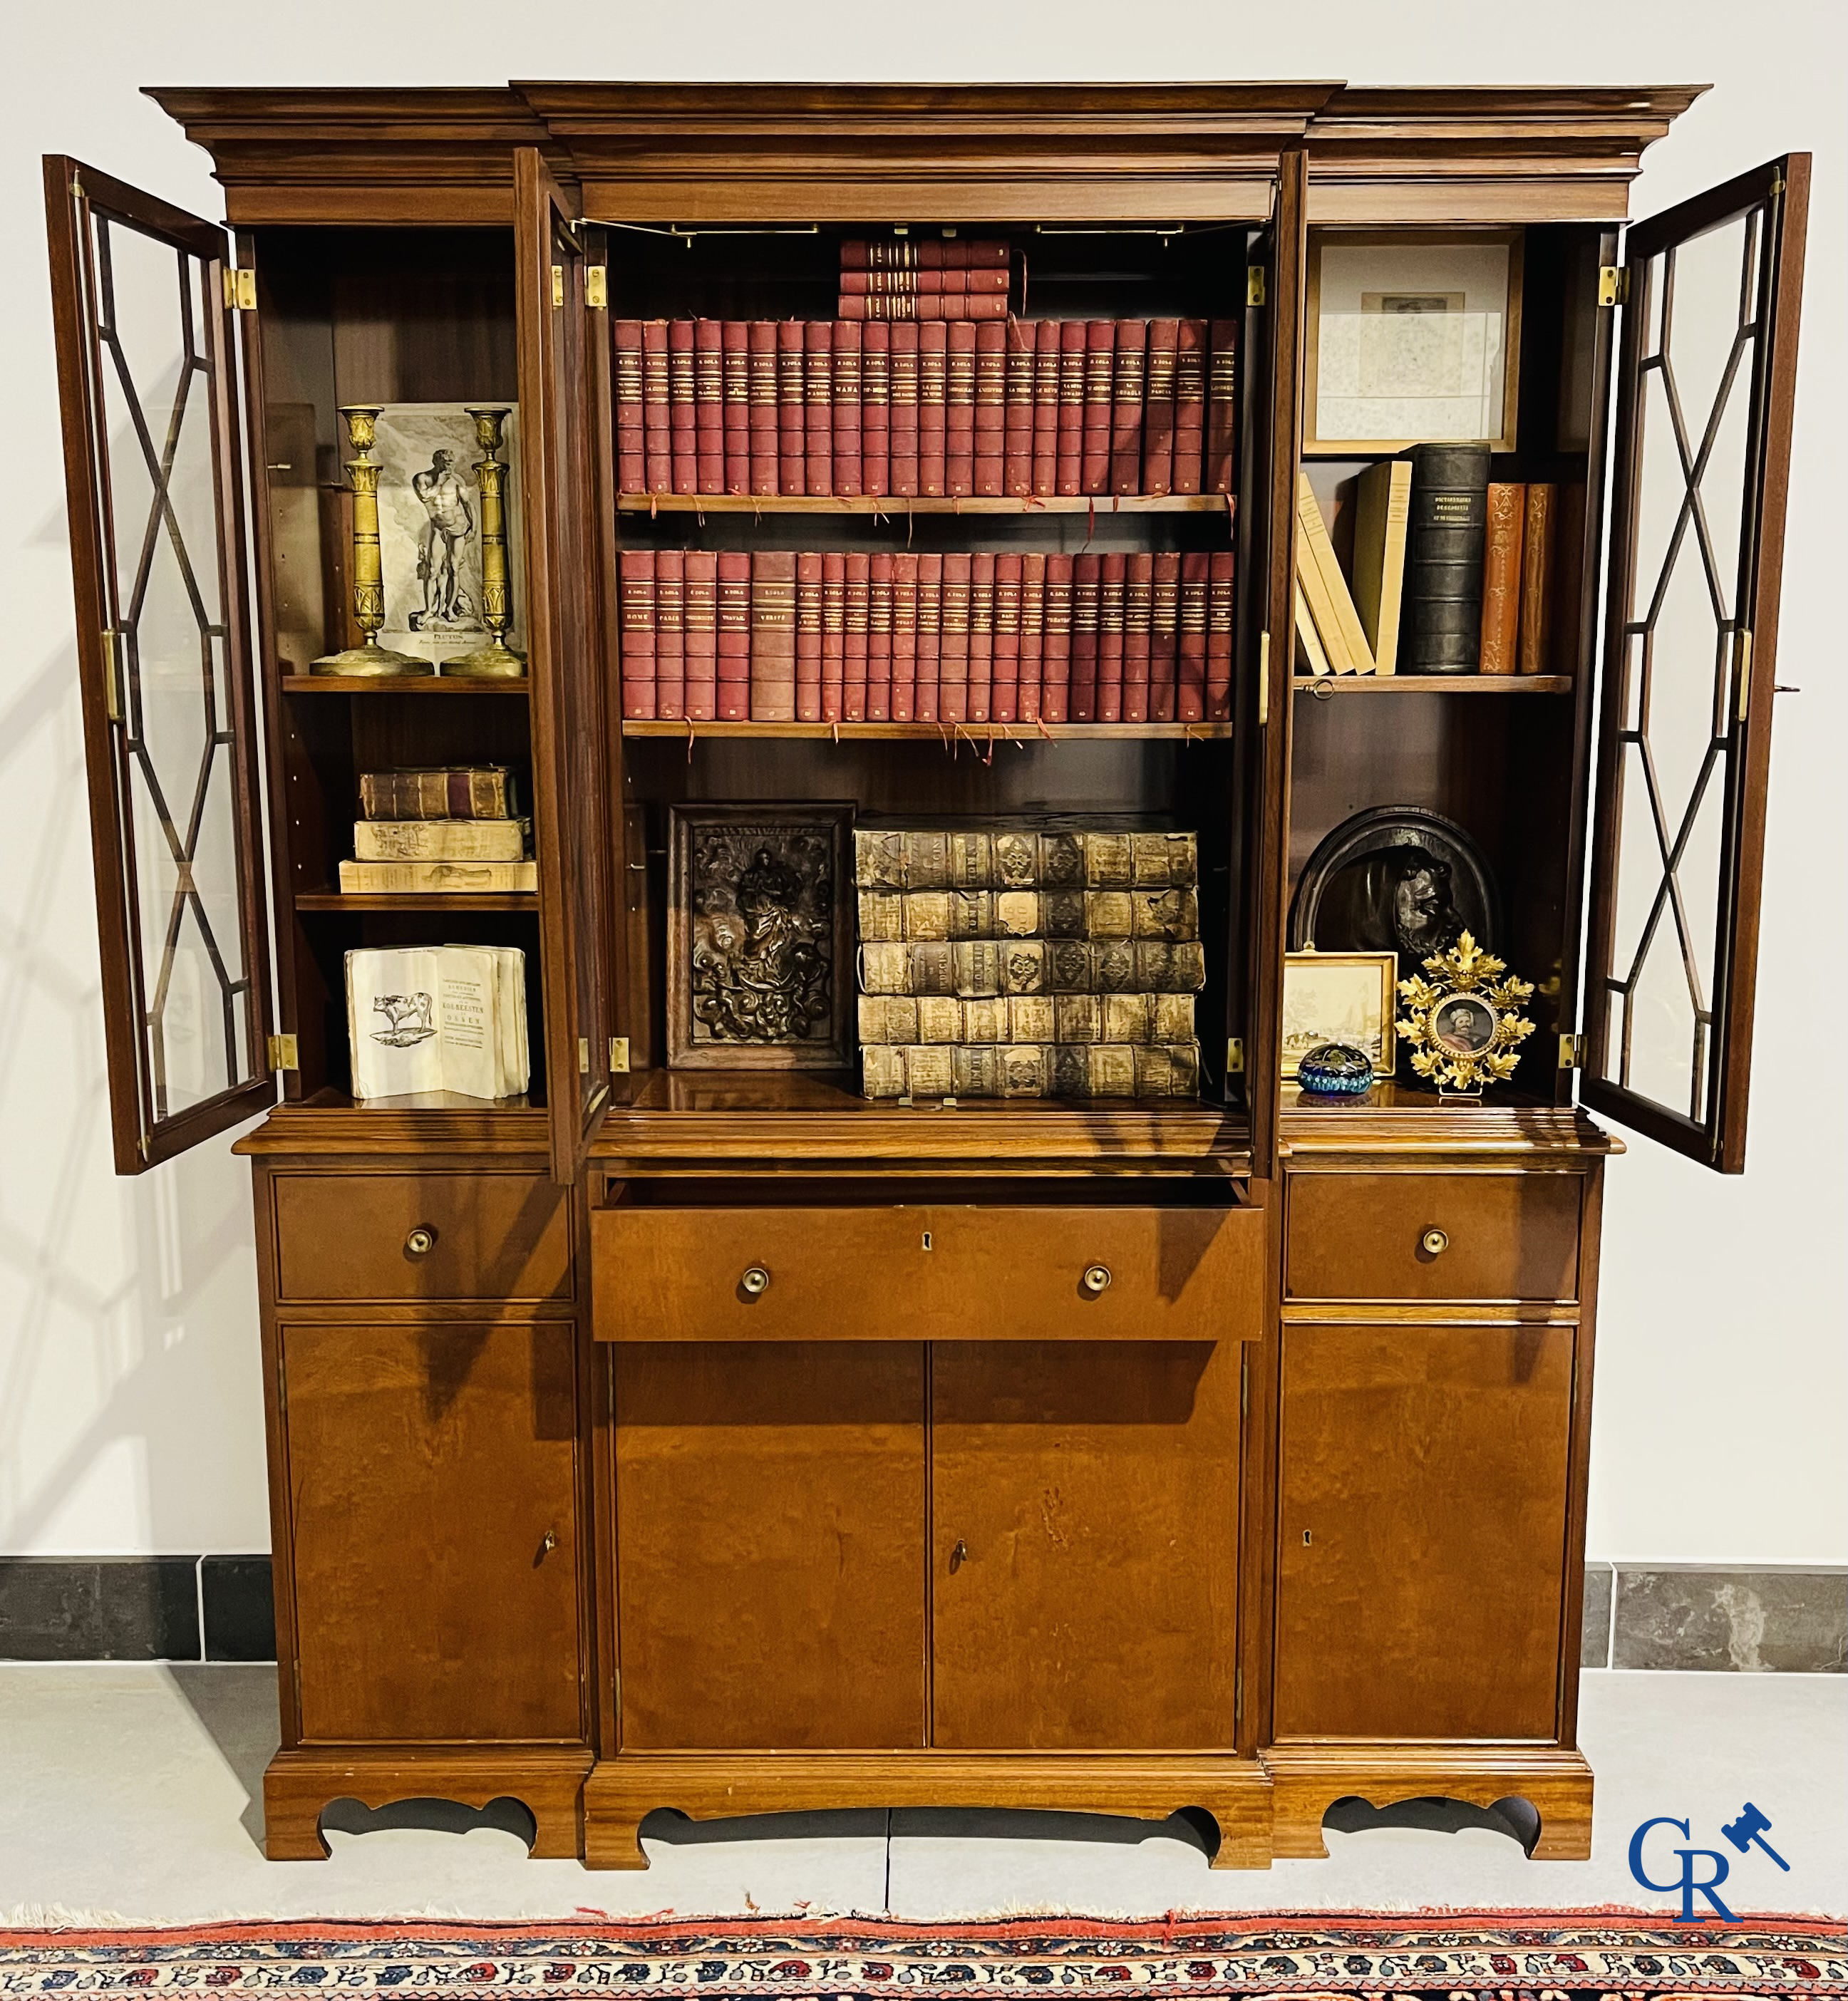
1095	1279
1435	1242
421	1241
756	1281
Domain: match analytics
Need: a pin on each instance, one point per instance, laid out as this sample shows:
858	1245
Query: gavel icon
1749	1828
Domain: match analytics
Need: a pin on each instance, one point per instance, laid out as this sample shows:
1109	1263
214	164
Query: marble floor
134	1793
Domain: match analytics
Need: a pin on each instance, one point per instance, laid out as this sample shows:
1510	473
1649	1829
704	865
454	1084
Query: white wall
130	1409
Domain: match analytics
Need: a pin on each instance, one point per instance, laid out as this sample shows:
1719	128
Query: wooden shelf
1434	683
895	507
980	734
409	685
447	900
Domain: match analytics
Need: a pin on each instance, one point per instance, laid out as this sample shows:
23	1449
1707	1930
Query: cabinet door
564	589
1706	388
1422	1526
1084	1544
431	1480
154	481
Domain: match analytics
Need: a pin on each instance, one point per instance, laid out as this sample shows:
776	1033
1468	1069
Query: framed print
1339	996
759	947
1413	338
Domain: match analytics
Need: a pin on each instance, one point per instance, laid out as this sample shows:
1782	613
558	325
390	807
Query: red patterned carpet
1607	1955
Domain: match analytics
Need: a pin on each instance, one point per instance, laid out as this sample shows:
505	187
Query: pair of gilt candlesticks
369	660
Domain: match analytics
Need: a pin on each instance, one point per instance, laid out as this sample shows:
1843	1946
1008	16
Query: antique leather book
981	638
1222	409
1196	569
733	684
857	583
941	307
1219	636
904	634
762	420
683	435
818	405
635	592
933	370
656	429
1100	366
1537	578
1017	442
808	637
1068	432
1441	631
903	411
1164	632
1190	405
440	840
930	637
791	408
1004	699
701	647
834	636
1032	637
1112	591
952	652
1138	615
1158	407
1503	530
773	636
1043	470
1087	575
959	408
875	409
847	408
990	419
735	343
631	473
670	634
1125	406
878	637
1055	647
709	406
1382	498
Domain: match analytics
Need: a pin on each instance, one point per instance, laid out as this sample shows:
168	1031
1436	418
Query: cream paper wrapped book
438	1018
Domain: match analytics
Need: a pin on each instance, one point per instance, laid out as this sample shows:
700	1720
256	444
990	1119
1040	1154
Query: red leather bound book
734	637
933	414
1164	630
1191	690
875	409
986	306
1032	637
846	407
709	406
981	639
1055	652
702	635
1086	574
681	423
857	588
1222	409
991	408
878	637
1158	407
773	636
1004	703
791	417
877	287
735	337
1190	405
833	635
808	639
670	634
625	338
1110	637
1125	406
1016	439
929	638
878	253
1044	468
636	575
1100	365
656	432
1139	613
904	634
1219	636
818	405
903	411
959	408
953	650
1073	336
760	417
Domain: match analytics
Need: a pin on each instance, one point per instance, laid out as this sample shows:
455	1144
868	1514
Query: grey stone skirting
1721	1619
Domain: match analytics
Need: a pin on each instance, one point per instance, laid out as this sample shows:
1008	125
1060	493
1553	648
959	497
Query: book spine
1004	704
1222	409
1100	367
834	636
1087	575
808	639
1191	666
991	408
928	653
632	449
682	405
875	410
1127	374
735	411
953	654
773	636
1220	574
636	583
1112	586
1138	632
818	405
1032	637
1190	405
1055	654
733	684
760	422
959	408
708	406
981	639
953	287
1502	549
437	878
1164	632
904	412
1069	426
847	350
670	634
904	635
1158	407
933	389
1045	467
1448	515
879	639
439	839
1017	436
857	608
656	426
791	417
702	635
1537	580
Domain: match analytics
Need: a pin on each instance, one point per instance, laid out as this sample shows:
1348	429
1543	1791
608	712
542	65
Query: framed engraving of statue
1413	338
760	943
1339	996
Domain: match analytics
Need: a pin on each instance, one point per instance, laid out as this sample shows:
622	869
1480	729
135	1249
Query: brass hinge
1613	285
1235	1055
240	289
278	1053
557	284
596	286
1571	1052
111	674
1742	667
1264	679
1777	186
619	1055
583	1055
1254	284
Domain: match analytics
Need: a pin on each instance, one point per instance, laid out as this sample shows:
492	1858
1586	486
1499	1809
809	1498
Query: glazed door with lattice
147	381
1706	393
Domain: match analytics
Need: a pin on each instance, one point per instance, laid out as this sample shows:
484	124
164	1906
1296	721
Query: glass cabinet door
1706	388
147	377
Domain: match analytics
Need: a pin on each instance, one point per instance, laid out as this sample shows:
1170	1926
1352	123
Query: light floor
133	1792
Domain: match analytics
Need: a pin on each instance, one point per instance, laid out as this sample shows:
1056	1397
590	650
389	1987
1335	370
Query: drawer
363	1236
935	1273
1364	1236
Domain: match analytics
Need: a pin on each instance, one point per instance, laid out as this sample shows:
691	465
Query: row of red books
896	279
774	636
841	408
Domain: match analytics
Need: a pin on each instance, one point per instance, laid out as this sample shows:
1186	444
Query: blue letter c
1636	1852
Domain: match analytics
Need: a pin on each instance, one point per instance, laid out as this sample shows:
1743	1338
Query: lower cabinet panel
1084	1553
1421	1519
770	1507
428	1465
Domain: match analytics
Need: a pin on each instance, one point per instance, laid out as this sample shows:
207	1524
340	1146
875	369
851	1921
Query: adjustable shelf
409	685
1433	683
438	900
891	506
982	735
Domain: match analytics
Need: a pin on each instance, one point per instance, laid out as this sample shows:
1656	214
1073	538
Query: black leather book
1441	628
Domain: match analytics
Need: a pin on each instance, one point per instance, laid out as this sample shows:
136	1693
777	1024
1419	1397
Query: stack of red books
896	278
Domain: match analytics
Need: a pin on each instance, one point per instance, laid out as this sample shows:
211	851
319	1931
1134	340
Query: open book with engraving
438	1018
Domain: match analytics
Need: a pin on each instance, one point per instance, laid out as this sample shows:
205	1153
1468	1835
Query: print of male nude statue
450	522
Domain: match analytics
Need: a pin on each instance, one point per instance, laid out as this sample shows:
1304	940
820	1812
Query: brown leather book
1017	444
1125	406
1111	589
632	475
952	652
933	374
808	637
1222	409
930	638
991	412
1100	367
761	419
855	605
708	406
904	634
1190	405
1501	577
656	436
670	634
959	408
834	636
1139	618
878	637
981	639
1044	469
1164	632
735	344
875	409
1537	578
904	413
702	635
682	423
847	338
1219	636
818	405
1055	648
773	636
1087	575
1158	407
441	792
635	581
1069	428
1004	704
1032	638
1191	662
792	415
733	685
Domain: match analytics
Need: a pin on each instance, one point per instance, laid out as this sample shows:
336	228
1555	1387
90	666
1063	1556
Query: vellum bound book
446	1018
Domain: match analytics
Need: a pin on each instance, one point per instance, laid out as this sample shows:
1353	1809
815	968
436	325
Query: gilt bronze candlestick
496	661
368	661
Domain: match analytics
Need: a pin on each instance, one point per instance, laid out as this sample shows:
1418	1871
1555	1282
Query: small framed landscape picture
1339	996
